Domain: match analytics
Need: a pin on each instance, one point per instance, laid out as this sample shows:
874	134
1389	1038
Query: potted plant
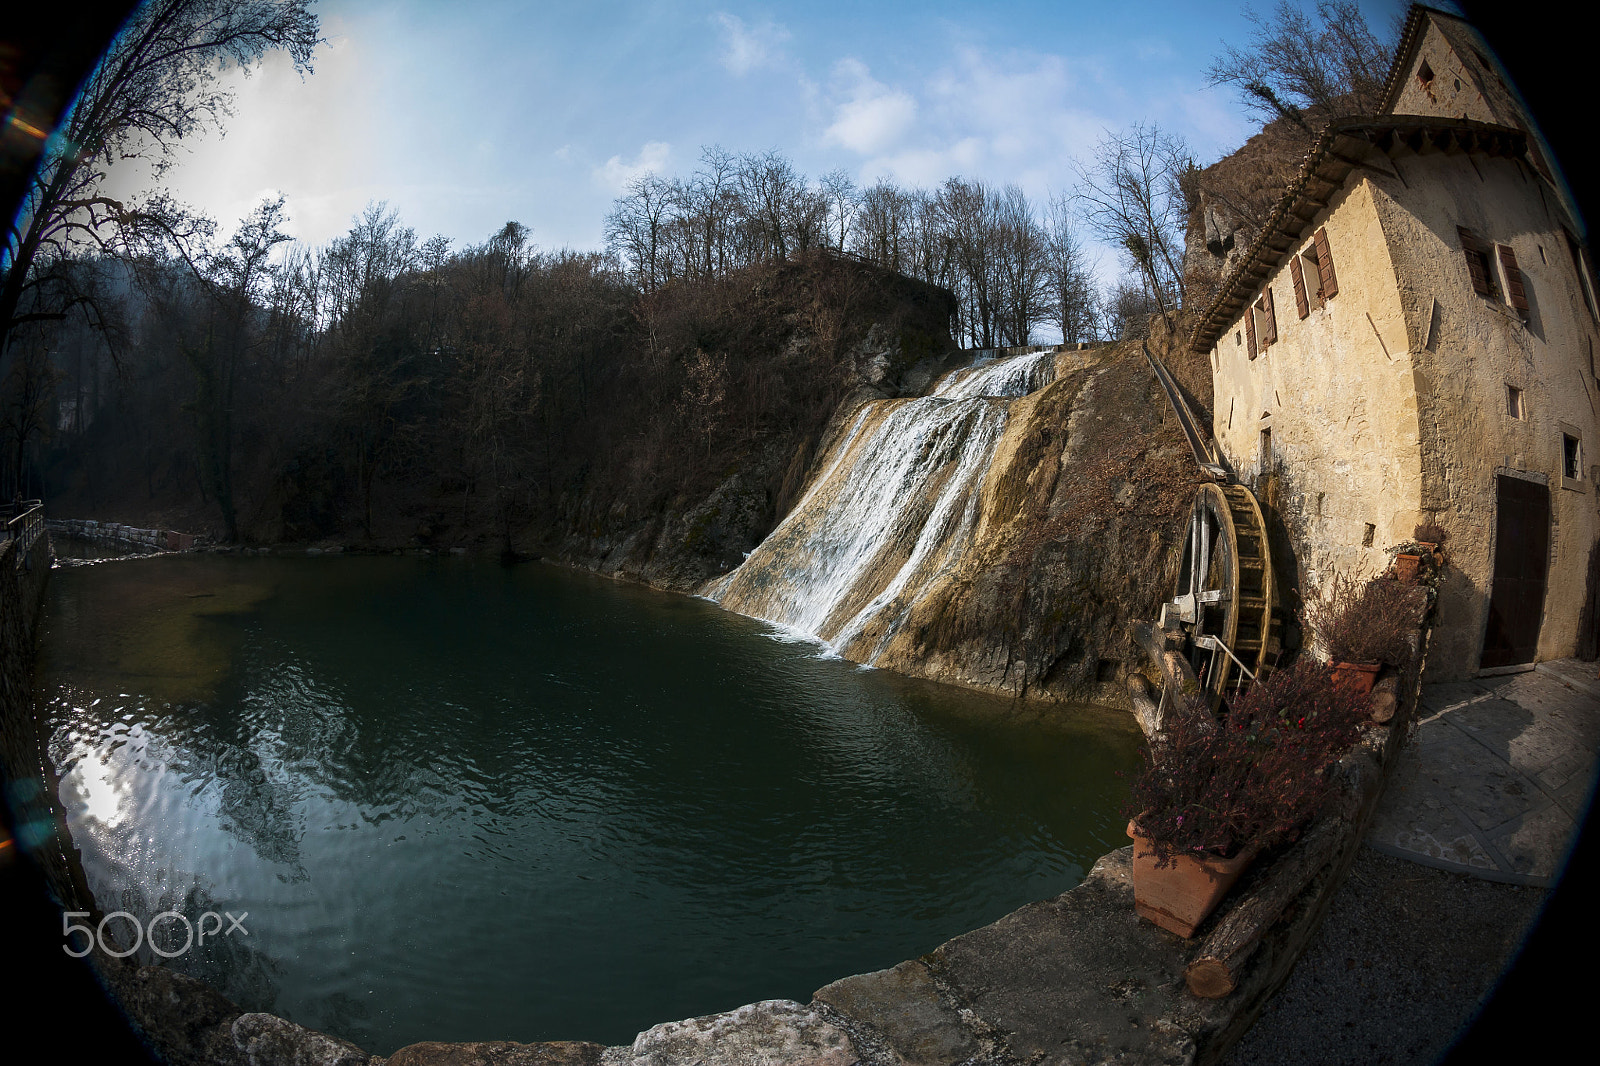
1429	534
1406	565
1364	625
1214	794
1408	560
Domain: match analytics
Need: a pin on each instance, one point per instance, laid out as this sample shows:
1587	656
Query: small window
1366	538
1571	457
1479	267
1266	449
1262	322
1238	338
1322	259
1514	406
1425	76
1511	275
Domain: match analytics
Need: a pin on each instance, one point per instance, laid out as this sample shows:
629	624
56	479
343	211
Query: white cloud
320	140
745	48
617	175
874	117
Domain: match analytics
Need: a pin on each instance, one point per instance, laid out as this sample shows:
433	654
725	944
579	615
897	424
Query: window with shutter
1269	321
1478	268
1330	281
1250	329
1301	306
1516	295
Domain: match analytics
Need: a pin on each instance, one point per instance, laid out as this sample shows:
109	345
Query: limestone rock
185	1020
902	1009
267	1040
498	1053
774	1032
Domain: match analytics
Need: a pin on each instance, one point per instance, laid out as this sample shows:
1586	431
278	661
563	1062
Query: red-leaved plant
1252	778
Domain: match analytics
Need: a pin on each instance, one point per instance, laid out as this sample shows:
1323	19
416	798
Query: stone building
1410	337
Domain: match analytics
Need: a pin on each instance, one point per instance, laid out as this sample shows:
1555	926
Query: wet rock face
1081	515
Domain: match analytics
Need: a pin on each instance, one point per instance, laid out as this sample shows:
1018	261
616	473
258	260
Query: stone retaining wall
143	540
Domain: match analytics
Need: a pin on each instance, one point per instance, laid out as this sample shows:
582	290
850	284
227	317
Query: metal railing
25	525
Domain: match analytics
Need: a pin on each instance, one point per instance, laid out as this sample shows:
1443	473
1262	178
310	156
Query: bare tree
775	211
1307	67
1021	259
636	229
1070	283
882	223
155	86
1128	307
1131	195
705	387
843	200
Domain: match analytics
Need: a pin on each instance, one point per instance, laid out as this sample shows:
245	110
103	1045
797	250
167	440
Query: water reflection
461	802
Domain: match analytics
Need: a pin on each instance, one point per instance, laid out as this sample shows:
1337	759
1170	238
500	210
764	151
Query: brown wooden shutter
1472	248
1250	328
1272	320
1301	304
1515	293
1330	281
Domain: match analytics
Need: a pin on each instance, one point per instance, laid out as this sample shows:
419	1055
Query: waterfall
895	507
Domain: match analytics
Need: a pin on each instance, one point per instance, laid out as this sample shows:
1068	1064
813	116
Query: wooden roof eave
1338	152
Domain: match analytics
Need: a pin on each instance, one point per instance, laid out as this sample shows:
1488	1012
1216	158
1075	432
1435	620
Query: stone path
1498	776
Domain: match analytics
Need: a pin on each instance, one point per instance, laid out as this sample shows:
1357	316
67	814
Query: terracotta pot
1181	896
1356	678
1405	568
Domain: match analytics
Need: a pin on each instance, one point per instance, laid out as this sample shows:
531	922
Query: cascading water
896	506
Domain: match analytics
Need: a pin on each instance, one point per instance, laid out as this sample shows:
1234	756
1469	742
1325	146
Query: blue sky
463	115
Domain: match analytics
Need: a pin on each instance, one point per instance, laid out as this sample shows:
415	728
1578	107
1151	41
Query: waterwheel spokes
1226	595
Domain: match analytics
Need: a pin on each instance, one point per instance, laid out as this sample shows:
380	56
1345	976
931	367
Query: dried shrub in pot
1255	777
1429	532
1367	621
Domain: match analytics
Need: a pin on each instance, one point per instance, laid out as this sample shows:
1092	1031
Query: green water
461	802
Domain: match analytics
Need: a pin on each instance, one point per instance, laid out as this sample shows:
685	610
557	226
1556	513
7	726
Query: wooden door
1521	559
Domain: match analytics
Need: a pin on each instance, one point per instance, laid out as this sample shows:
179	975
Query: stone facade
1452	350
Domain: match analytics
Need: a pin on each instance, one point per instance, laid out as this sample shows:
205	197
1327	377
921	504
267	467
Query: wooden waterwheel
1226	599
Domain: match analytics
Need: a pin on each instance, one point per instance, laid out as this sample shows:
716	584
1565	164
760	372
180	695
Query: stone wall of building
1468	81
1467	350
1336	392
1390	404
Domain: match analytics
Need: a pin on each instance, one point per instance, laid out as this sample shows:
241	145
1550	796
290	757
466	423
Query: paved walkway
1498	776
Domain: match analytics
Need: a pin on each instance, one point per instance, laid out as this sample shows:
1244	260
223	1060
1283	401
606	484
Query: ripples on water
460	802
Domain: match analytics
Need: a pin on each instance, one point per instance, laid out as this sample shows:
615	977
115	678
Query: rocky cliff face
798	343
1017	571
1081	517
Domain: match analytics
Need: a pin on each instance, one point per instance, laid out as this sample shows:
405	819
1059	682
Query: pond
457	801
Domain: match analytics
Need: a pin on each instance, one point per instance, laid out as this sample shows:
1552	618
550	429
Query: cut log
1146	709
1385	698
1151	641
1215	969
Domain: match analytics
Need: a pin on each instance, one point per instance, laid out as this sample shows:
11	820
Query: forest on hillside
385	388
